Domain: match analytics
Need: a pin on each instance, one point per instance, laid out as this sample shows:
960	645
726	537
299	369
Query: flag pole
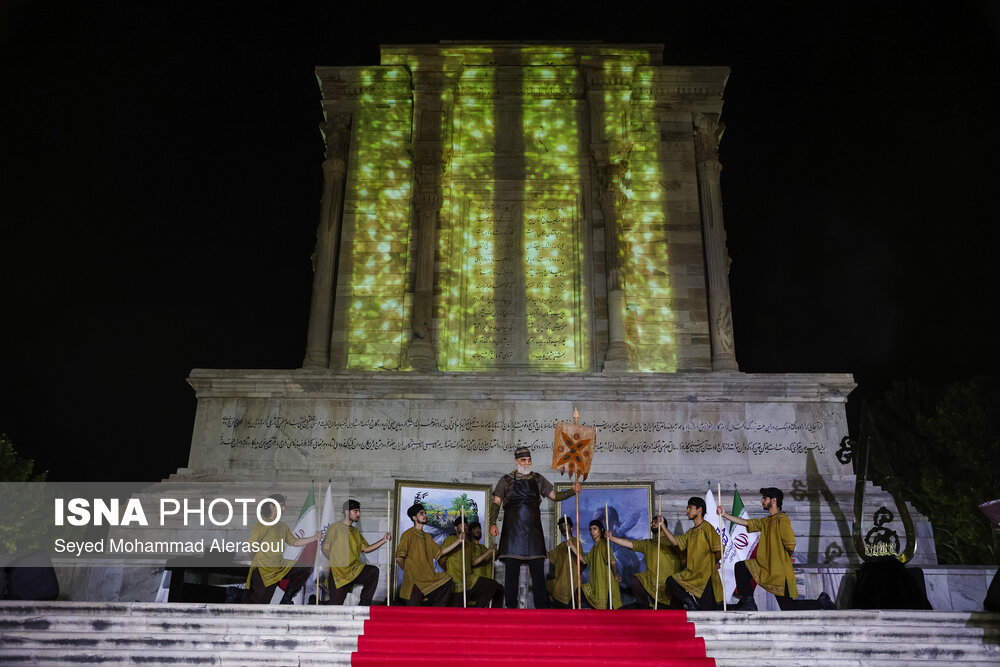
722	567
656	584
319	546
388	547
569	555
464	601
579	592
608	524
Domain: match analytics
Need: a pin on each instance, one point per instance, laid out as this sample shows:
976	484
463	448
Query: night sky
160	182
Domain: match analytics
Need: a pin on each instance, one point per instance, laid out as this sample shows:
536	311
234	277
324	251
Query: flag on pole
305	526
712	517
740	545
328	516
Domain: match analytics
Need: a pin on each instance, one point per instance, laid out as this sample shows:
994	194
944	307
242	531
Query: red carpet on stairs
417	636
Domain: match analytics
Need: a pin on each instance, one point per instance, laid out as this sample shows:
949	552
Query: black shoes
825	602
690	603
745	604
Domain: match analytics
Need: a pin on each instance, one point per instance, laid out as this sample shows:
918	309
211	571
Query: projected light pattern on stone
554	286
377	212
650	322
528	149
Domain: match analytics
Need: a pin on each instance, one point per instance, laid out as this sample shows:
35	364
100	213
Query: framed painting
443	503
629	511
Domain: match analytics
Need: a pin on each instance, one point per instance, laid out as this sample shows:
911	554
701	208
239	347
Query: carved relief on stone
707	131
724	327
337	131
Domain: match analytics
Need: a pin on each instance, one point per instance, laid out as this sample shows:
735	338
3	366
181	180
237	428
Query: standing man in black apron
522	542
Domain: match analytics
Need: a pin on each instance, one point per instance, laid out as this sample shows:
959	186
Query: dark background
160	182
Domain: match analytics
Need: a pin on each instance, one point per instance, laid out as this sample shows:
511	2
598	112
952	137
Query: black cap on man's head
773	492
414	510
521	452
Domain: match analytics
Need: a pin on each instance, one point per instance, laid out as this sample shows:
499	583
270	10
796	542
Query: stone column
613	202
720	320
324	258
430	159
427	200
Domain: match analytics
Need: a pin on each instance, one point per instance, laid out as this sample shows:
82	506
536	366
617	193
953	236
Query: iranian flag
305	526
740	545
713	518
321	562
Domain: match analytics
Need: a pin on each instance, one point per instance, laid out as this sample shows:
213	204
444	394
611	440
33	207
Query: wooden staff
609	553
656	585
569	555
579	592
319	518
388	547
463	558
723	561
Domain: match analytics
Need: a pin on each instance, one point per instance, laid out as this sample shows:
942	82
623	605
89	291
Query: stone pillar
430	159
427	200
324	258
720	319
613	202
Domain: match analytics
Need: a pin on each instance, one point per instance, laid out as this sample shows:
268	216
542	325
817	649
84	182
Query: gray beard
523	470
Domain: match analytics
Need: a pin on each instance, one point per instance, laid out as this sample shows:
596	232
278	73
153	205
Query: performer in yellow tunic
595	592
645	584
343	545
480	590
771	568
416	553
564	567
483	556
698	587
269	566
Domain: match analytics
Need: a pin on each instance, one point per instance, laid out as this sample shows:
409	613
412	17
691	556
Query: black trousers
261	594
512	581
642	598
439	597
744	588
485	591
368	578
706	601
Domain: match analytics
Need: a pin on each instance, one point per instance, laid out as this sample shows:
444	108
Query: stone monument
509	232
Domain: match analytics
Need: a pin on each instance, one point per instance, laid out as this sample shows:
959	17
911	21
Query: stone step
809	647
63	658
198	640
67	623
850	637
68	633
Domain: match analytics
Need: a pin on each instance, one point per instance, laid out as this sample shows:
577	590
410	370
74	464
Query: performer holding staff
603	569
343	546
476	590
522	542
697	587
771	568
565	585
652	582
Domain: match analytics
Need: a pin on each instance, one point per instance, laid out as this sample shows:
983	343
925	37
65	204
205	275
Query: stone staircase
74	633
849	638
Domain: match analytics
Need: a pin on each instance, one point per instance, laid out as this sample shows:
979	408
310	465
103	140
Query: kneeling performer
343	546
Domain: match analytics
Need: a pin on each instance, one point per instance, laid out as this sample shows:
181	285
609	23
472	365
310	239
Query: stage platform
73	633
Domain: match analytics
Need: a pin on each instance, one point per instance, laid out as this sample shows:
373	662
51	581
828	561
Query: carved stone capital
337	131
707	131
334	167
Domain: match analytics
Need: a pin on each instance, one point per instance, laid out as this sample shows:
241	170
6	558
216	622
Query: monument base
684	433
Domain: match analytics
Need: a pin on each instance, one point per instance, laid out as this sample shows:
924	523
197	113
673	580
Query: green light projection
510	274
378	202
650	323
